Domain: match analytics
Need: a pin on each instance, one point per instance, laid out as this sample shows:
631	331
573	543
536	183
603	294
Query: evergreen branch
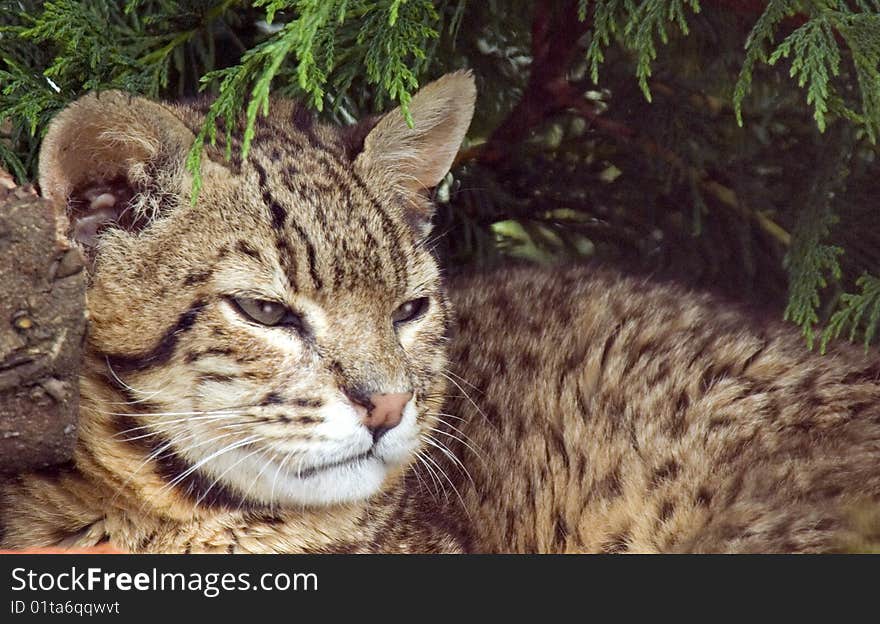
388	47
816	59
814	49
862	35
763	33
810	261
854	307
637	26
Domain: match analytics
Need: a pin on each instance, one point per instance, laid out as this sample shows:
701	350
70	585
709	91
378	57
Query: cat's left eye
267	312
410	310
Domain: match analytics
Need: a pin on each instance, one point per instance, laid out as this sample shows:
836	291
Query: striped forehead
330	230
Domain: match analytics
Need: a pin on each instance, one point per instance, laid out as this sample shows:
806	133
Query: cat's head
282	340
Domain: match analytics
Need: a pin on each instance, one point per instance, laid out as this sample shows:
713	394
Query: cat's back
619	414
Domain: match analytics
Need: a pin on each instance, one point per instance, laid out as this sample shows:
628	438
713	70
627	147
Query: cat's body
267	370
617	414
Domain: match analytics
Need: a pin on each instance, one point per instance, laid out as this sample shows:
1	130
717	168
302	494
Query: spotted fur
569	410
614	414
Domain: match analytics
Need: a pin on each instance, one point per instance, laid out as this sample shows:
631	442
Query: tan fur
579	410
621	415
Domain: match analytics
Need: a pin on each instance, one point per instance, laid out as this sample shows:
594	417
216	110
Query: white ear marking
102	201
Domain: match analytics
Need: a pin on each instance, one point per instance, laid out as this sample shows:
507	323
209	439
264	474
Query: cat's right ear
115	161
413	160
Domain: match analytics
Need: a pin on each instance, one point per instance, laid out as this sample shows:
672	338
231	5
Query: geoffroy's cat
280	366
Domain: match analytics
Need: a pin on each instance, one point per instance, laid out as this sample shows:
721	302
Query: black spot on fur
273	398
608	487
560	531
245	248
683	402
557	439
216	377
870	375
704	497
609	343
198	277
666	472
617	543
666	511
312	403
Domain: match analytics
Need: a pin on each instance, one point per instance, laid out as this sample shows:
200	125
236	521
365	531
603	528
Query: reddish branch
556	30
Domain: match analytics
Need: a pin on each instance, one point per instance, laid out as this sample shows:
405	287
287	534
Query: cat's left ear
414	160
115	161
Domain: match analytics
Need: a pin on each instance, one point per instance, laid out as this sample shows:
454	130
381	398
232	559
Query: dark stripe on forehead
162	352
245	248
395	231
310	254
198	277
286	259
279	218
277	211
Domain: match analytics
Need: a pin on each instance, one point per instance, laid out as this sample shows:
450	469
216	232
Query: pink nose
386	413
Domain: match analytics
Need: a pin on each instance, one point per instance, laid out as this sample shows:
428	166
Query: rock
42	325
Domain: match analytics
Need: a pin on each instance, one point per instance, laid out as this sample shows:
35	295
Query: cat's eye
266	312
410	310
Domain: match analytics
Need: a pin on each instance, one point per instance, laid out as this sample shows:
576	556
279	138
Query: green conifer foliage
729	143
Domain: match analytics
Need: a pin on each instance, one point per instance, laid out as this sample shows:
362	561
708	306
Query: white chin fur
296	484
349	483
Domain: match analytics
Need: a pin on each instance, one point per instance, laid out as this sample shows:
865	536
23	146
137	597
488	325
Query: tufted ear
114	160
414	160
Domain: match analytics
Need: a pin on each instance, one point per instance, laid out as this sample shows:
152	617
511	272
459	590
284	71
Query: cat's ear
415	159
113	160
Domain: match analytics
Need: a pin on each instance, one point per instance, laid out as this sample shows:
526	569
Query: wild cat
281	367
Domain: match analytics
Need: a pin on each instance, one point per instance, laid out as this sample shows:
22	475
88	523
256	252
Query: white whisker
455	460
452	485
445	414
120	381
284	461
266	452
463	380
222	474
468	397
210	457
422	484
147	435
153	455
438	485
475	451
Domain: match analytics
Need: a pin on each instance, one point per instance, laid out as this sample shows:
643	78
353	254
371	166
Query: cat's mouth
342	463
354	459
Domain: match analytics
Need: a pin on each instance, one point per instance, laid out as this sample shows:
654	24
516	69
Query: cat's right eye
266	312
